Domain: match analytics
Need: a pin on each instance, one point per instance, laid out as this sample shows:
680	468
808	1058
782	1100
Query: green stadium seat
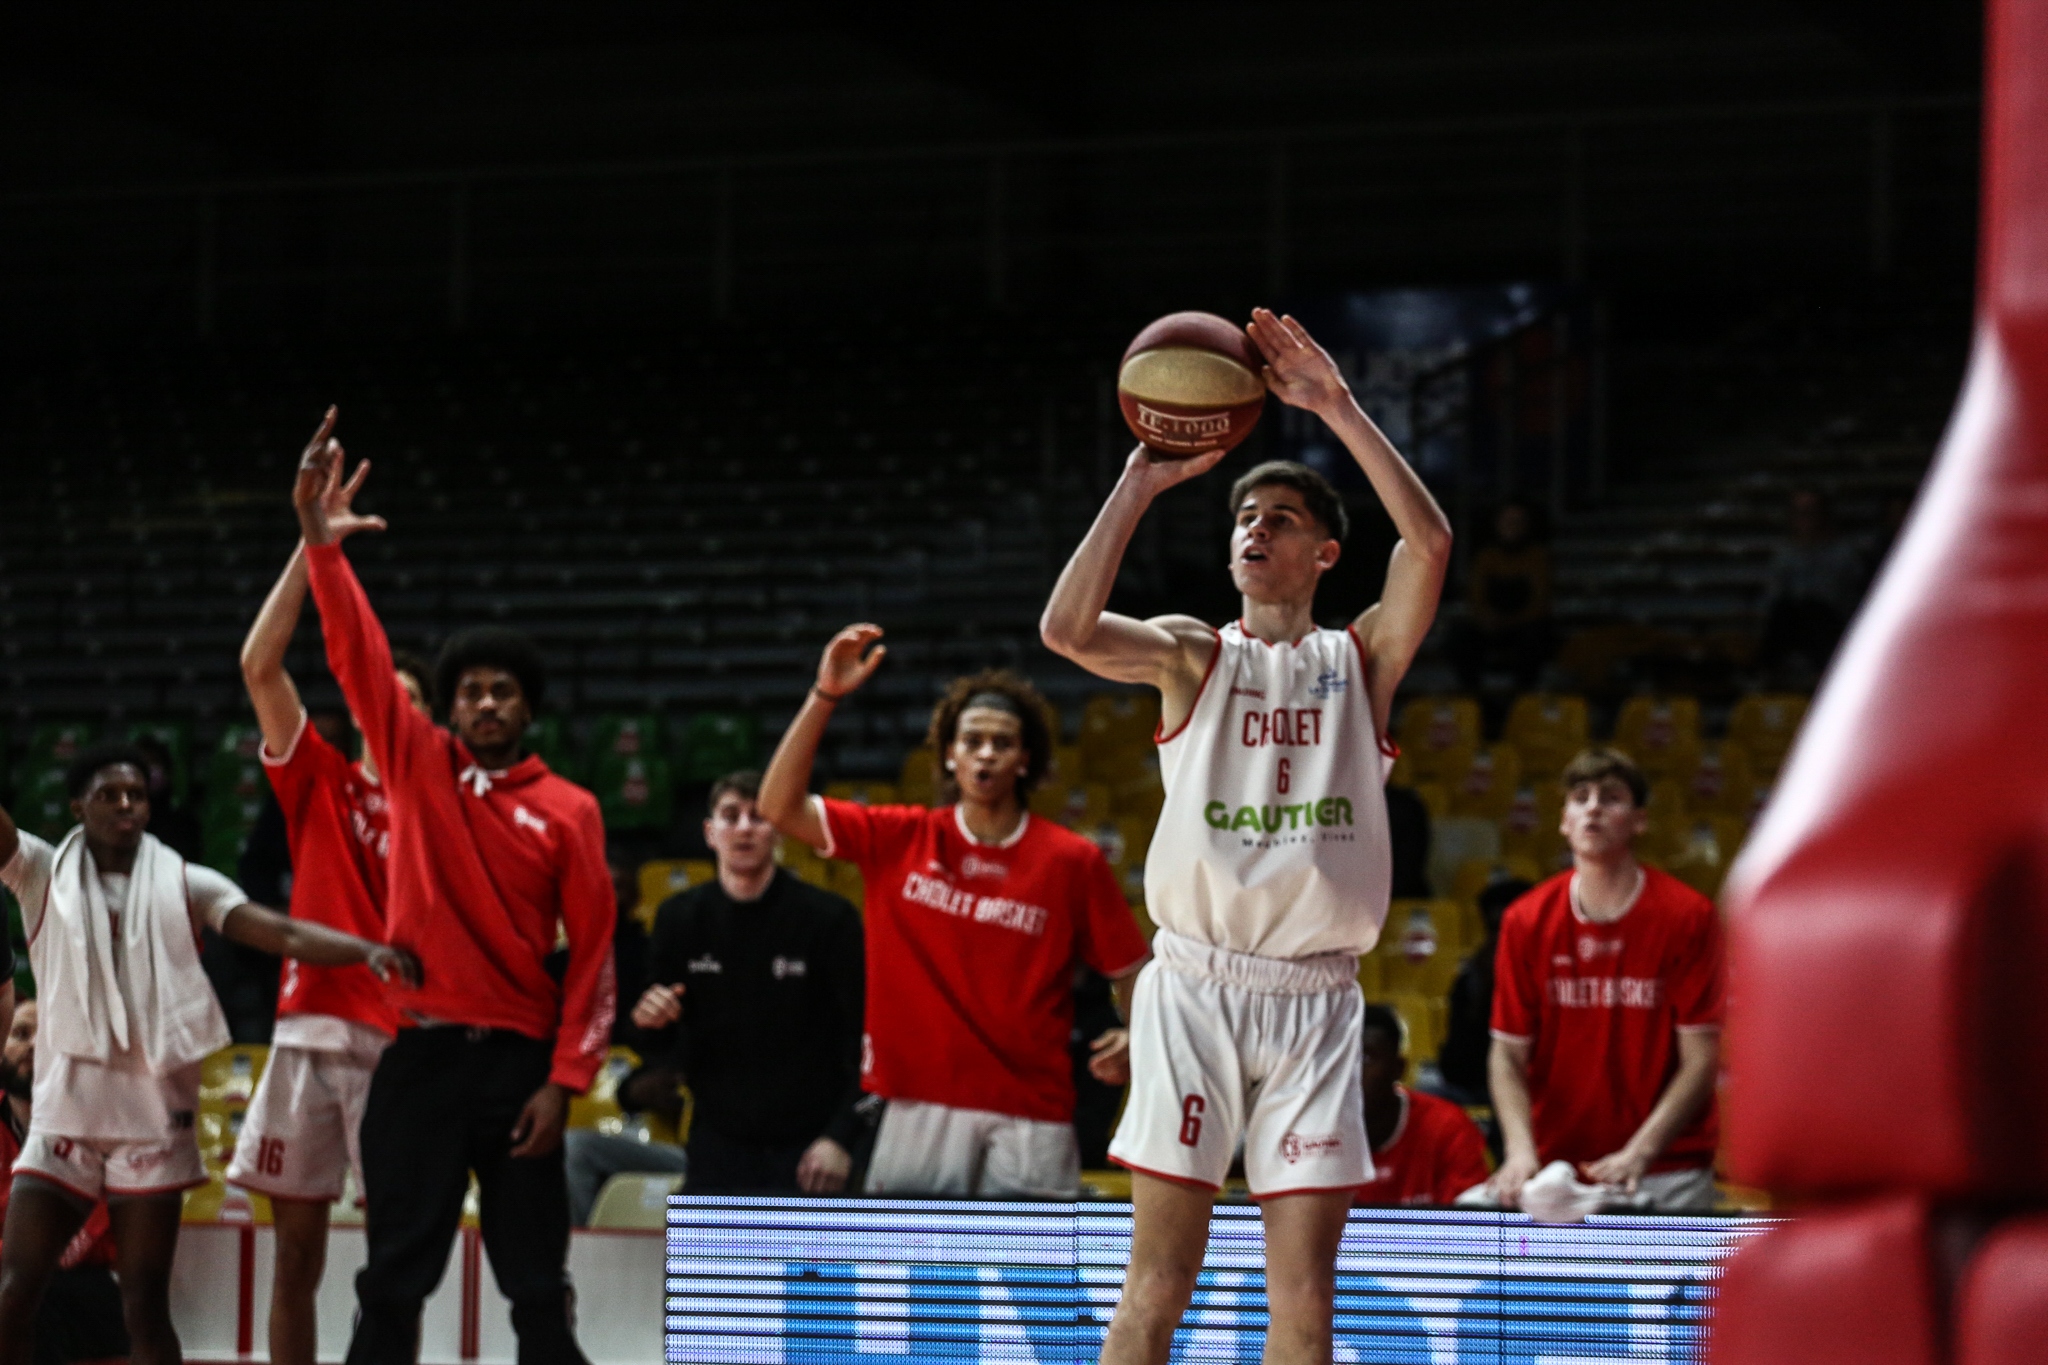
177	737
623	736
235	788
41	804
715	743
634	791
549	738
50	745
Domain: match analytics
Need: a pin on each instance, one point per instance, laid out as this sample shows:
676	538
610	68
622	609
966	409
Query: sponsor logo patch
1300	1147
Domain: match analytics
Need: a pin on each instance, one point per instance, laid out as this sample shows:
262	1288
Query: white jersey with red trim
1273	839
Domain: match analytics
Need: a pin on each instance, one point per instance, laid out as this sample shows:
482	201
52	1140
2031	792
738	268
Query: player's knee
299	1267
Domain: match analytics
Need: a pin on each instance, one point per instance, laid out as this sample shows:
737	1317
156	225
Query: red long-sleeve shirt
484	865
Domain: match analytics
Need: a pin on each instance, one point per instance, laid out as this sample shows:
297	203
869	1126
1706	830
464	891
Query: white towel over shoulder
124	978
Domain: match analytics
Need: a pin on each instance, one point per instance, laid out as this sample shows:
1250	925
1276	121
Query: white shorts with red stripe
303	1131
93	1169
1227	1045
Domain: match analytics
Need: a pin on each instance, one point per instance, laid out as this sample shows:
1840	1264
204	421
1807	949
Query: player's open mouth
1254	556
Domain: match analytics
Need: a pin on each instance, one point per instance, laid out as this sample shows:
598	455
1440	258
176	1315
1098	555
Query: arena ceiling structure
461	163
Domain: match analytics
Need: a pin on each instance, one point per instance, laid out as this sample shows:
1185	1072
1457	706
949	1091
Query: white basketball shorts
302	1134
94	1170
923	1148
1226	1045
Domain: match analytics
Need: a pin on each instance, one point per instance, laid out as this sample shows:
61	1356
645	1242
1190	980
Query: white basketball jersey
1273	839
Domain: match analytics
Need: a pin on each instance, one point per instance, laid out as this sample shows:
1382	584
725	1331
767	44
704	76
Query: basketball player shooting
1269	872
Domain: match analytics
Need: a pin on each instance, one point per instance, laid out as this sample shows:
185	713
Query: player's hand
824	1167
848	660
538	1129
1508	1180
1624	1168
390	962
1155	473
321	497
659	1007
1298	372
1109	1057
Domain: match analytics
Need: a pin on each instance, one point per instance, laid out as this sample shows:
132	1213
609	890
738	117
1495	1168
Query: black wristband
834	697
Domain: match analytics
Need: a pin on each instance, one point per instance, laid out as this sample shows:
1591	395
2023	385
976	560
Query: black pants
442	1105
80	1318
719	1165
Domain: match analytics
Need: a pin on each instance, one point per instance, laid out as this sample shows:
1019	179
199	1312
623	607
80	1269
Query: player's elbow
1432	541
1060	634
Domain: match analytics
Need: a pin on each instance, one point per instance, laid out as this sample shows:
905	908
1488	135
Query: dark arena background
681	337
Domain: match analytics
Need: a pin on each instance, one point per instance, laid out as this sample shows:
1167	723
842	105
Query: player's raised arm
264	929
1168	652
1301	374
786	787
279	712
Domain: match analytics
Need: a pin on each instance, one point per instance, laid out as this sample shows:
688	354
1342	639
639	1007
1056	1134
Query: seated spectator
1425	1150
1507	598
1608	996
1469	1038
1817	578
754	1001
80	1319
977	913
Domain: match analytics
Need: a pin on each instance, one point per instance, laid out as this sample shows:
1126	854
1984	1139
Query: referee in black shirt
755	1004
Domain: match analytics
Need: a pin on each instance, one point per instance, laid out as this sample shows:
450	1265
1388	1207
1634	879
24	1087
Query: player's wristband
834	697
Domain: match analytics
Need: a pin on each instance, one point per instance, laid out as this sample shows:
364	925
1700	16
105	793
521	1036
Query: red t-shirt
971	952
1602	1006
340	833
1435	1155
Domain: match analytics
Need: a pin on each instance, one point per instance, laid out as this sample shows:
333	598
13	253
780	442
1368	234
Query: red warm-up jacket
484	865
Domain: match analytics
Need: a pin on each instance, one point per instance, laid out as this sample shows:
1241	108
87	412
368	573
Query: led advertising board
820	1281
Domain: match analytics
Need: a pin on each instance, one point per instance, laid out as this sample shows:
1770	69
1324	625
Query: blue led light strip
822	1281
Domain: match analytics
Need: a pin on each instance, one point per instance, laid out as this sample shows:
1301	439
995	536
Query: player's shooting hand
849	661
1508	1180
1157	473
1299	372
1624	1168
1109	1057
824	1167
398	962
538	1129
659	1007
323	499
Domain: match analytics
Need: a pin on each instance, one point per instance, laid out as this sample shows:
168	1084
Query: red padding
1852	1286
1888	1026
2002	1304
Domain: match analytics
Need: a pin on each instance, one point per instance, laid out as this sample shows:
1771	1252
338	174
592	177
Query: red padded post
1888	1025
2002	1304
1852	1286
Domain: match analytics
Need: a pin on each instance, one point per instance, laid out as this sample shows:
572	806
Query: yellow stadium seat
1438	735
1548	729
844	880
231	1073
661	878
1109	719
1425	1018
802	862
1455	841
598	1107
1530	829
1073	804
1662	734
1435	798
1068	765
1139	798
1486	788
1765	725
1419	949
1369	975
917	782
636	1201
1723	783
863	793
1116	764
1700	856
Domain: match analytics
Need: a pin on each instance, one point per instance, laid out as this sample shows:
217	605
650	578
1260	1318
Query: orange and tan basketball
1190	384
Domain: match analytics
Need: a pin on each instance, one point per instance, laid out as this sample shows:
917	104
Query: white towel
149	996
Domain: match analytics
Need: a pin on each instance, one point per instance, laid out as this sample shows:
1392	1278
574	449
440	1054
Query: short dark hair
1497	895
1383	1017
1599	764
414	667
79	773
1032	713
490	647
744	783
1323	501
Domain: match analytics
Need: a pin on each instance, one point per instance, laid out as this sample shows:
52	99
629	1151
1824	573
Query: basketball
1190	384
